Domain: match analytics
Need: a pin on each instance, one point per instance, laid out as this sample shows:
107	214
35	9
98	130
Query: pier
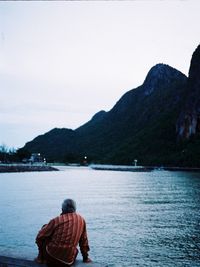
26	168
129	168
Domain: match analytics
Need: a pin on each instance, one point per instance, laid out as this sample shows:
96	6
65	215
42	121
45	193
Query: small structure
135	162
85	161
36	158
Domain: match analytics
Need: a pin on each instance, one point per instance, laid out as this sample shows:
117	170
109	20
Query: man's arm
83	243
45	232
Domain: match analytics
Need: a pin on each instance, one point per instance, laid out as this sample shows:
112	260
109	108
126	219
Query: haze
61	62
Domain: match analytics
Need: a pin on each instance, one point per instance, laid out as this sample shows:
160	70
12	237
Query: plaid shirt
63	234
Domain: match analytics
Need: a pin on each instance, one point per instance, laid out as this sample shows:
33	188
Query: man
58	240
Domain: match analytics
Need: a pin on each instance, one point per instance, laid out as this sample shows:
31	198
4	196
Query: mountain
188	123
55	144
145	124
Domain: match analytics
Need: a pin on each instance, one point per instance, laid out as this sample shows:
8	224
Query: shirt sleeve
45	232
83	243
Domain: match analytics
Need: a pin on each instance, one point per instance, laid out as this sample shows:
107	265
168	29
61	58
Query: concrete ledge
13	262
25	168
103	167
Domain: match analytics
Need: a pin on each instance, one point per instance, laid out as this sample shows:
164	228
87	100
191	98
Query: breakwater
25	168
103	167
120	168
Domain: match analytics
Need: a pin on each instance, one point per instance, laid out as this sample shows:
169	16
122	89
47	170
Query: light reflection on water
133	219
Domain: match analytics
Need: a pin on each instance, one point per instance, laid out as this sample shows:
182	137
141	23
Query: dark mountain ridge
188	123
143	124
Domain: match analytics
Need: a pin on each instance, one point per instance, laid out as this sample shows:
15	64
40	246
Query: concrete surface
14	262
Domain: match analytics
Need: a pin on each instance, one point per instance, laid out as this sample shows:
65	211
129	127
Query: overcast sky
61	62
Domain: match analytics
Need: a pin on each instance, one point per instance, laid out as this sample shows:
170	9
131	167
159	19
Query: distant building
36	157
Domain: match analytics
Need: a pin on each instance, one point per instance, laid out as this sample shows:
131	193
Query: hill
145	124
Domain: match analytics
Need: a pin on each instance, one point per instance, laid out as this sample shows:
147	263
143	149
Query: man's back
63	234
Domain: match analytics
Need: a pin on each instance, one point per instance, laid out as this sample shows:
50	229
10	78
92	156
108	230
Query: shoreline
141	168
4	168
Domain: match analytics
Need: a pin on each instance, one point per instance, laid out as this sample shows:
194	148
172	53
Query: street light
85	160
135	162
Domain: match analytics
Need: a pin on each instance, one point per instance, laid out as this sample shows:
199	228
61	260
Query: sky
63	61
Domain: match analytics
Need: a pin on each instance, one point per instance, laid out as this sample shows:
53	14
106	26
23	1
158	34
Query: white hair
68	206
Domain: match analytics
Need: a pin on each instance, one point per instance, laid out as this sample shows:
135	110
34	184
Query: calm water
133	219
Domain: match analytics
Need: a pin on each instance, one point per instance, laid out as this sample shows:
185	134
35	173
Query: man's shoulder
80	216
73	216
68	216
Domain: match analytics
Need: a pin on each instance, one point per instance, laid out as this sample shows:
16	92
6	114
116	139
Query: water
133	219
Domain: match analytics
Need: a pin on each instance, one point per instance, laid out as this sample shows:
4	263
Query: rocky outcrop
161	75
188	123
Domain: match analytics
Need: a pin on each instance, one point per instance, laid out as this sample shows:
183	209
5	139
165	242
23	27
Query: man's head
68	206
